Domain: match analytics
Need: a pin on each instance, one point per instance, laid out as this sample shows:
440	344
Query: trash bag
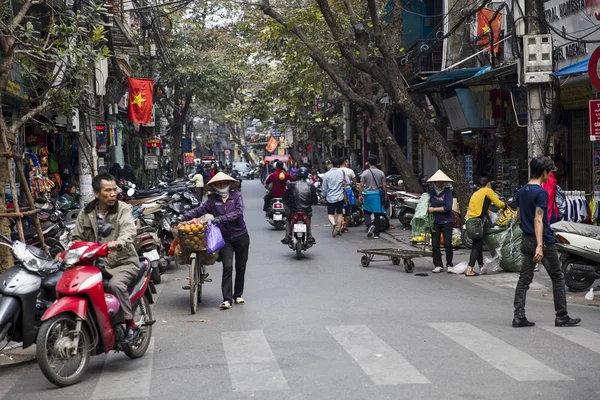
214	239
460	268
422	221
491	266
493	238
510	253
493	218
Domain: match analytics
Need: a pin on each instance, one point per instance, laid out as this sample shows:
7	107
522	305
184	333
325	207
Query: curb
13	354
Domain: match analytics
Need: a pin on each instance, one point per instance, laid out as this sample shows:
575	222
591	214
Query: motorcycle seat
50	281
575	228
28	233
144	265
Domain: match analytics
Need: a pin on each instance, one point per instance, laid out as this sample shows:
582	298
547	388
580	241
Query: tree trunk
235	136
176	155
6	259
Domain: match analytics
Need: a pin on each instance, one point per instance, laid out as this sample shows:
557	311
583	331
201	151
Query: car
245	170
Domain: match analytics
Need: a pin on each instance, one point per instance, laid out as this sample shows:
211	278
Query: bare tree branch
19	122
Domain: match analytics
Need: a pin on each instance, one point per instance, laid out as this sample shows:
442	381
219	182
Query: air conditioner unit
537	58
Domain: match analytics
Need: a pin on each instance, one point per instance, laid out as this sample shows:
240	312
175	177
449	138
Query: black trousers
239	248
436	238
476	253
552	264
376	221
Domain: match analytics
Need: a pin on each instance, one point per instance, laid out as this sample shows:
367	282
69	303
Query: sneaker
437	270
345	230
239	300
375	237
226	305
335	231
339	233
371	231
450	270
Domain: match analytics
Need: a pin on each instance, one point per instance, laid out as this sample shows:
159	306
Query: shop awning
444	77
580	67
488	76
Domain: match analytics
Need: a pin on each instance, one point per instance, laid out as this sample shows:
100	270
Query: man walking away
372	187
333	192
350	178
198	180
538	245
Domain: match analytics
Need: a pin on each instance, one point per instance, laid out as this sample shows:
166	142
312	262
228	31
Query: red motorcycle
85	320
298	239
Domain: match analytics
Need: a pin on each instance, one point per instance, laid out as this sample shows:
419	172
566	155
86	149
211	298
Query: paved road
326	328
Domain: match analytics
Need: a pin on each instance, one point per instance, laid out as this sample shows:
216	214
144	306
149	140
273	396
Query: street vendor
227	206
441	201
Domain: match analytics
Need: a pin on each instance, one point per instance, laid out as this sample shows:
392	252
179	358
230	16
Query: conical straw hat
439	176
221	177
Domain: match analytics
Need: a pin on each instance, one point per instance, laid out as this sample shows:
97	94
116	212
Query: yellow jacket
478	199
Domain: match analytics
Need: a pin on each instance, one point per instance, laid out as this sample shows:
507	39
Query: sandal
474	274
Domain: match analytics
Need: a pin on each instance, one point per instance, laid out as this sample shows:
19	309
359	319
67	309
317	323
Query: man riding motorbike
279	179
122	265
299	197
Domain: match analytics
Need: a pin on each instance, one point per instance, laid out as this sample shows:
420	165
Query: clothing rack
582	207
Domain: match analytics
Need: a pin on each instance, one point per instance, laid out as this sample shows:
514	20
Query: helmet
112	303
302	173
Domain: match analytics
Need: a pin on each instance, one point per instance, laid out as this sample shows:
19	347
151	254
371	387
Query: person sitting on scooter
122	265
279	179
299	197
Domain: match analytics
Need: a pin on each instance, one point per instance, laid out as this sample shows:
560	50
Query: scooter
298	239
408	205
26	292
579	248
276	213
85	320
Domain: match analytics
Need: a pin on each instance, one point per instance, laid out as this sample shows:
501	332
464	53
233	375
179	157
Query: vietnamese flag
485	28
140	100
272	145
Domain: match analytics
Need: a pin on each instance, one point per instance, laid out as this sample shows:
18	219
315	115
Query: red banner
272	145
594	118
140	100
153	143
485	28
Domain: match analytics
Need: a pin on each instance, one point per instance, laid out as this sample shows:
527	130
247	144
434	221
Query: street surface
326	328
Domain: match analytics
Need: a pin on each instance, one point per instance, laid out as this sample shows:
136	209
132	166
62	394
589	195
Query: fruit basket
192	236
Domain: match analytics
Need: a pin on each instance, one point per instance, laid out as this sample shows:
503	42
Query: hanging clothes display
582	207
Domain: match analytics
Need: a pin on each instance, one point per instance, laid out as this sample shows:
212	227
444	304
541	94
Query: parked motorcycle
26	292
579	248
298	239
85	320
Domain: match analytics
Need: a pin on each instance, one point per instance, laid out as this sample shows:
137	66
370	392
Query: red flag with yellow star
140	100
485	28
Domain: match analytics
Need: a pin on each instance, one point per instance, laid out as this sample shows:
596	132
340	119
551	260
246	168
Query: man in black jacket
299	197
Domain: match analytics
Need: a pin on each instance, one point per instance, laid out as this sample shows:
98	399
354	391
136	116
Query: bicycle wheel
200	278
194	283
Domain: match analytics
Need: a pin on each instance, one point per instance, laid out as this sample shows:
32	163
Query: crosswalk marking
583	337
251	362
500	354
125	378
383	364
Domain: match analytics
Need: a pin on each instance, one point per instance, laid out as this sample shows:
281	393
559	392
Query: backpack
560	199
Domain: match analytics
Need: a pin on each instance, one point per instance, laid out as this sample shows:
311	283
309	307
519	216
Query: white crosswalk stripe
583	337
501	355
251	362
383	364
123	378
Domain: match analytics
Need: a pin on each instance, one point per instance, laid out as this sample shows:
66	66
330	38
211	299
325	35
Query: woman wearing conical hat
227	206
441	208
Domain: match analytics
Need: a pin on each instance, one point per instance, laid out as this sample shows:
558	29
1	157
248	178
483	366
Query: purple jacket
445	199
231	213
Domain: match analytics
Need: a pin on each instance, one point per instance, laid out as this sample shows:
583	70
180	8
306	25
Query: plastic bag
422	221
456	237
460	268
510	253
590	295
490	266
214	239
494	238
505	217
493	218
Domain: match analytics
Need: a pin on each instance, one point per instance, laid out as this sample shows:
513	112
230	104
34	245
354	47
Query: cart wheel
409	266
194	283
365	261
201	272
396	260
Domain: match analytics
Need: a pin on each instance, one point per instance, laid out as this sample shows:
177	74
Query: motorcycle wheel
155	276
404	219
298	250
574	281
141	313
53	355
465	239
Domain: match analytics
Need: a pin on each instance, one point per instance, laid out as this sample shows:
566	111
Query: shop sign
594	115
575	97
101	147
153	143
188	158
575	19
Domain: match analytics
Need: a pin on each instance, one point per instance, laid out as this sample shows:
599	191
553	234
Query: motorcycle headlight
32	258
72	257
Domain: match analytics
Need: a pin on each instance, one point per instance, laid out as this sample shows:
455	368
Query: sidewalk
15	354
540	287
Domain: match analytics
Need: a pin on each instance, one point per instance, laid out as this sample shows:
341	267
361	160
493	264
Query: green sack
474	228
494	238
511	249
422	222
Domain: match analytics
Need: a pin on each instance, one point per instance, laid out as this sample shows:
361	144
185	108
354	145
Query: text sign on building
153	143
594	113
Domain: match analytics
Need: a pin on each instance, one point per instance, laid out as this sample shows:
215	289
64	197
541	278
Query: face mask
224	192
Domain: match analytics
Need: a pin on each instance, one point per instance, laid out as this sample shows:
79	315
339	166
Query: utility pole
87	149
536	125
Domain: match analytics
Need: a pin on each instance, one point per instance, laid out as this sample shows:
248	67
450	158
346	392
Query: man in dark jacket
299	197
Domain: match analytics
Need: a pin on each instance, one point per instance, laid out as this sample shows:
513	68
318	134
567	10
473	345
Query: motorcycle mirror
106	230
133	185
130	192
